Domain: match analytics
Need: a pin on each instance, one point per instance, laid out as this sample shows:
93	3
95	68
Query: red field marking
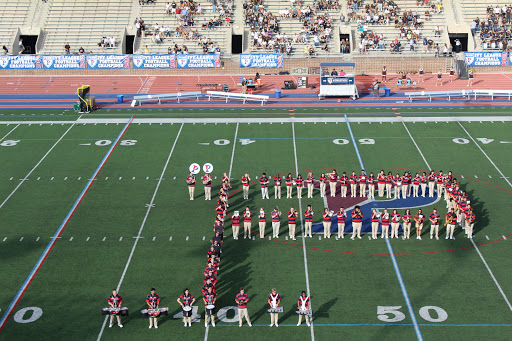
385	254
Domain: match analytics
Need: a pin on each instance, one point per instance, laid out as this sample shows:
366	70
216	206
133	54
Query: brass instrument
449	220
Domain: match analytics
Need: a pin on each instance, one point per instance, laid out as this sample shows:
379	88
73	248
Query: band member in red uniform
423	184
431	183
246	180
371	186
264	186
225	180
235	218
191	183
300	184
341	215
405	185
333	179
344	184
397	181
407	219
273	300
207	182
323	182
440	183
292	223
353	185
327	222
303	305
241	300
375	223
289	184
276	223
381	183
262	222
308	217
209	299
153	302
395	224
357	222
363	179
186	300
247	222
451	219
434	218
310	181
385	223
416	185
277	186
470	218
419	217
115	301
389	185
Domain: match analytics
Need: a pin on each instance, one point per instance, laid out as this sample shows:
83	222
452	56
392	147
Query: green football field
100	202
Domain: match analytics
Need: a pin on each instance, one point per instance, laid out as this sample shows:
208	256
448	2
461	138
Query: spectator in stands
141	2
67	48
411	44
437	31
342	73
146	50
168	8
169	50
112	42
458	46
81	50
334	72
5	49
445	50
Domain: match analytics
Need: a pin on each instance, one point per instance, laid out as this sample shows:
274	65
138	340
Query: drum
115	311
144	313
187	311
210	309
276	310
304	312
153	312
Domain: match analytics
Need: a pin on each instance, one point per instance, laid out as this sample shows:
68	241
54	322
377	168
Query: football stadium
255	169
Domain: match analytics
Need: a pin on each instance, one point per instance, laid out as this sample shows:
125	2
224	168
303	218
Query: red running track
26	85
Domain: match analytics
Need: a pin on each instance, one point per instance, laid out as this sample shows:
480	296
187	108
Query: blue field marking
54	239
395	264
373	325
91	139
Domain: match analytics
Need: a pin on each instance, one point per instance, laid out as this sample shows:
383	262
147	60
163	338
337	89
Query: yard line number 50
393	314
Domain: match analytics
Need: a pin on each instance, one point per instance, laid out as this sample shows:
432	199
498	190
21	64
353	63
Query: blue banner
154	61
337	80
108	61
66	61
486	58
22	61
261	60
198	61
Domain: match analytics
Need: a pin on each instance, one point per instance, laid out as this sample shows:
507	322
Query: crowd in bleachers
495	30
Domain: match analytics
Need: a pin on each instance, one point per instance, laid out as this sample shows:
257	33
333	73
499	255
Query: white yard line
417	147
34	168
487	156
57	234
475	246
151	204
201	120
207	329
306	271
391	252
3	138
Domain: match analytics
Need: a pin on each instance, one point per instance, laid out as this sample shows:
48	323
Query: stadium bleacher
381	23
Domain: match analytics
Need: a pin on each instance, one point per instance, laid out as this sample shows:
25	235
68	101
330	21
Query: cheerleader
471	75
421	72
186	300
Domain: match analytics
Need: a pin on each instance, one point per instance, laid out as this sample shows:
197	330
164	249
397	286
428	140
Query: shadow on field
323	310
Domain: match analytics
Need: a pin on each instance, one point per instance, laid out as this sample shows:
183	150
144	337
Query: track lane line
306	271
62	226
391	252
151	204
